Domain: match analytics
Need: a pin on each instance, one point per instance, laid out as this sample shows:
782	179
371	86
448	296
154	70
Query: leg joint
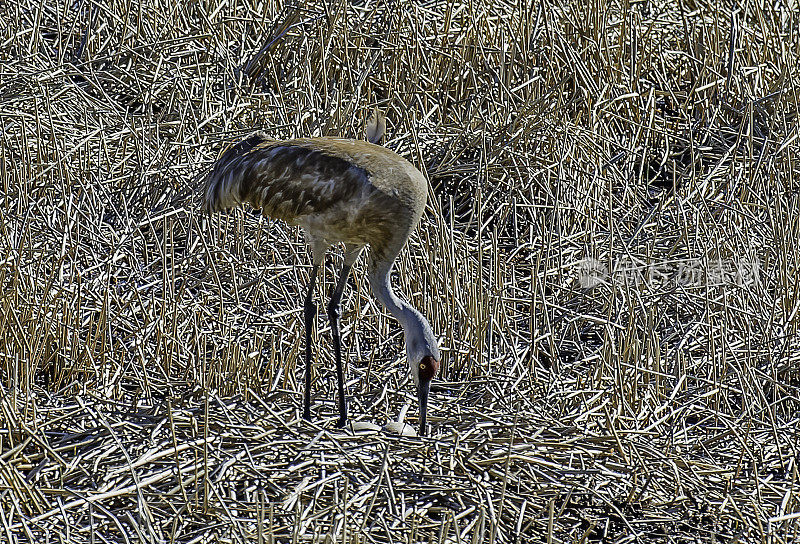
334	310
309	304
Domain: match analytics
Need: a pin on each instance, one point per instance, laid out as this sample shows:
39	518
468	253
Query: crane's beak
428	368
423	389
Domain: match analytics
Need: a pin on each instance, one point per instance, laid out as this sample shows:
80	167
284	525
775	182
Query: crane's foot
307	414
341	423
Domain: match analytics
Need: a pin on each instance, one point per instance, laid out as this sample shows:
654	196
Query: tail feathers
224	184
221	191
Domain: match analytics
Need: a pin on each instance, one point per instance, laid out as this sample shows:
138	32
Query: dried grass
149	376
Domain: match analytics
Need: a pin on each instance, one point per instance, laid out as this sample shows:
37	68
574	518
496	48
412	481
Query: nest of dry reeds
610	257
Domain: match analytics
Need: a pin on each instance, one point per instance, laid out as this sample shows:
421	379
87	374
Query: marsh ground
610	256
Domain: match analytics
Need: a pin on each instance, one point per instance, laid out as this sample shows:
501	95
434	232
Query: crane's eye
422	366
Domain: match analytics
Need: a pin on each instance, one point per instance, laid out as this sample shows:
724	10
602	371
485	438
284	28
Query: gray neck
420	340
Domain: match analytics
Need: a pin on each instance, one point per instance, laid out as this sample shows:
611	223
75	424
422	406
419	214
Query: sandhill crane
337	190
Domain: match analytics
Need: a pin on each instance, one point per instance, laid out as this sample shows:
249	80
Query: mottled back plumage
339	190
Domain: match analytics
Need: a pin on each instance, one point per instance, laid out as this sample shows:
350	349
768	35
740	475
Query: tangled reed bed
609	255
231	470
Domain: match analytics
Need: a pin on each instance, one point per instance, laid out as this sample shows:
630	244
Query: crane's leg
310	315
334	311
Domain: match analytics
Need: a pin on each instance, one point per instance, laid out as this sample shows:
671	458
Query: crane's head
424	372
423	356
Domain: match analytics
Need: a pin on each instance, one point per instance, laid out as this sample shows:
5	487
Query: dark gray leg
318	249
334	312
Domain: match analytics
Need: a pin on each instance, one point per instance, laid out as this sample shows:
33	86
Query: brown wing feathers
285	180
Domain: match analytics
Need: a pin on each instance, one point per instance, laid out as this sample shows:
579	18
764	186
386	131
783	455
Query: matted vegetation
610	256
